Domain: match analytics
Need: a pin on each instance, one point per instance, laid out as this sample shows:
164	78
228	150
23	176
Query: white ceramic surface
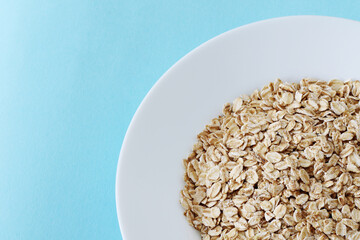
193	91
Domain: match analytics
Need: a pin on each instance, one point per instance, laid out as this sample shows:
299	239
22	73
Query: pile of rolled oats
282	163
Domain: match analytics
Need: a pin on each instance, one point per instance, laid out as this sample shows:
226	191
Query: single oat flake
281	163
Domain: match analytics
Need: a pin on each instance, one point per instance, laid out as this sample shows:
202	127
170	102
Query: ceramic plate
193	91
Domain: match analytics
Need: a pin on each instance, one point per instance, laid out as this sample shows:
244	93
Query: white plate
193	91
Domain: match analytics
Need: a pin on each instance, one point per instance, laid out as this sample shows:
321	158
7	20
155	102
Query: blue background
72	74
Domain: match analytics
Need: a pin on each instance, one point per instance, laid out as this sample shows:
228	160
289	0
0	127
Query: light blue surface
72	74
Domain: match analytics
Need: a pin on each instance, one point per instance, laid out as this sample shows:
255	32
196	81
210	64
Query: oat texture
282	163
